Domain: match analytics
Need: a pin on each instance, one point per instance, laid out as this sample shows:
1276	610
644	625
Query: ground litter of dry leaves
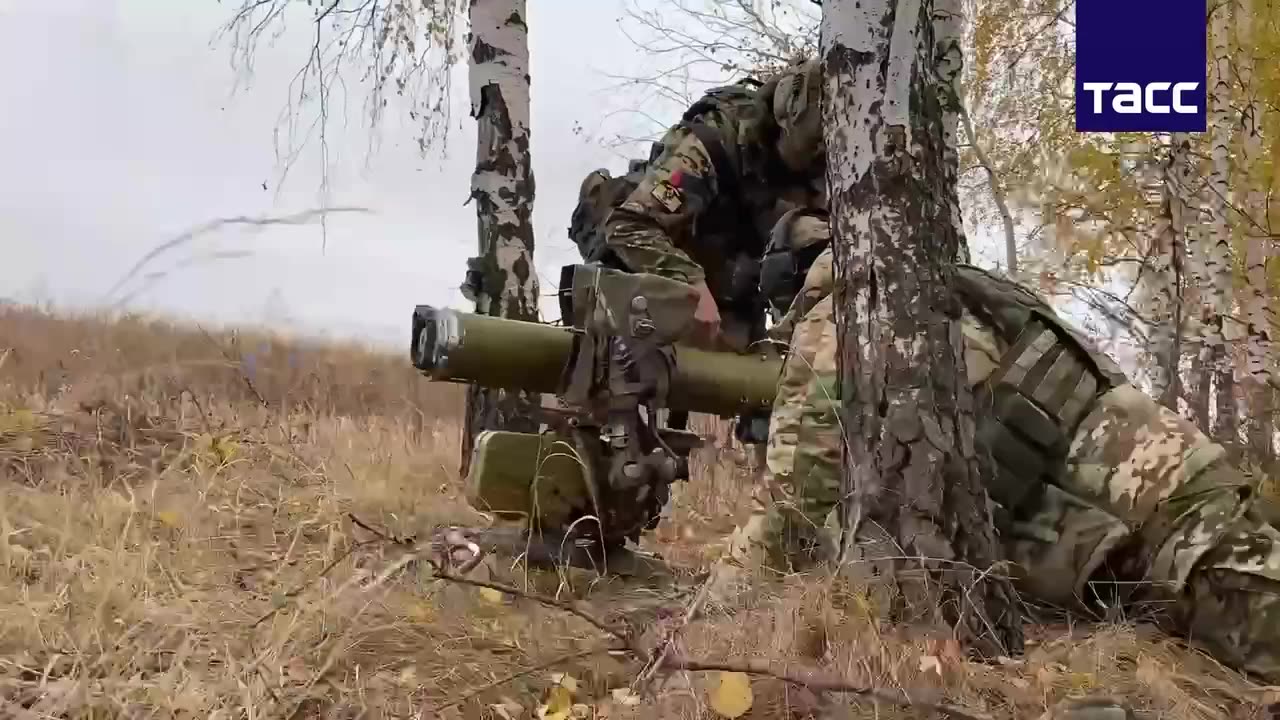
175	541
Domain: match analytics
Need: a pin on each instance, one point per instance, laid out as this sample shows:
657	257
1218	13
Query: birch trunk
1199	385
1218	262
501	279
947	22
1199	395
910	460
1259	316
1167	276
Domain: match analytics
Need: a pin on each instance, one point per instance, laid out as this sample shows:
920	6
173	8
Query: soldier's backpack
598	195
601	192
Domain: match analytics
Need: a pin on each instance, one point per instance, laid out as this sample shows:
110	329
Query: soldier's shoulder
1009	306
989	289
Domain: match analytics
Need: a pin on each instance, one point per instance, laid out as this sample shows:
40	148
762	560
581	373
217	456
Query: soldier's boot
789	528
752	546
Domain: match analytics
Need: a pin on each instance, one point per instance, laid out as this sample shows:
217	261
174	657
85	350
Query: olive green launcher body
515	355
551	480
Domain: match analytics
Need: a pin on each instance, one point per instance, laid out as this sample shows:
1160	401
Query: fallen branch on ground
667	644
659	655
527	672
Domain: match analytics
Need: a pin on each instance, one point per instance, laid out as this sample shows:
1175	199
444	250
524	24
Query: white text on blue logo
1133	99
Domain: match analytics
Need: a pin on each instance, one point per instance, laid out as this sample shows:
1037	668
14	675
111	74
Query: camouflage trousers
790	525
1145	501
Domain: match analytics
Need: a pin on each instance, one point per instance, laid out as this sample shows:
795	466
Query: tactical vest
1029	408
1030	405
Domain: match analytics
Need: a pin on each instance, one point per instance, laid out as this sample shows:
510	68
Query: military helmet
797	111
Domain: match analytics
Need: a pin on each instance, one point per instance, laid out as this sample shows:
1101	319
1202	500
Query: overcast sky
123	126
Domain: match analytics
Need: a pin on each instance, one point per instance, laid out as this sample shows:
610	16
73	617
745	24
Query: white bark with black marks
911	465
948	27
1218	331
502	184
1258	313
502	279
1165	282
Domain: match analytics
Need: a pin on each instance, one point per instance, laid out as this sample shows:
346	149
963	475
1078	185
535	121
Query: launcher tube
451	346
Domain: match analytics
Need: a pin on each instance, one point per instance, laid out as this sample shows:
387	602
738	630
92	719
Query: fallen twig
821	681
380	534
668	642
660	656
311	581
621	632
527	672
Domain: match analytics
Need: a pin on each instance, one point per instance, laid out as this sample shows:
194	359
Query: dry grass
174	545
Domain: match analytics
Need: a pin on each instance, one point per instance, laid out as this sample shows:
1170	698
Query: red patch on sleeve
676	177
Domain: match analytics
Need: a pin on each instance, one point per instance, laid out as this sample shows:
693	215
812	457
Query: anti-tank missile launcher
620	438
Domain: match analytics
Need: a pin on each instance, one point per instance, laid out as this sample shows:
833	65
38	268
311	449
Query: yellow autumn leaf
558	705
491	595
169	518
422	611
569	682
732	696
20	420
225	448
1082	680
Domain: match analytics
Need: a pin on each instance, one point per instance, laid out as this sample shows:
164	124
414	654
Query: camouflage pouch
627	326
599	193
1031	404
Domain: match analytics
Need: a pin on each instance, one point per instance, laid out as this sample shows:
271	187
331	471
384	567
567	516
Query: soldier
1095	484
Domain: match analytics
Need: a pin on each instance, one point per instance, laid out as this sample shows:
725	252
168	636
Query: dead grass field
175	544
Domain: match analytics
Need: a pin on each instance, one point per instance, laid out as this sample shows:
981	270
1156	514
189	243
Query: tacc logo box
1141	65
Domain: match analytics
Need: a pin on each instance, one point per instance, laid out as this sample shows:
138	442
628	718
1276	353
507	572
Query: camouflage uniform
712	193
1141	500
1095	487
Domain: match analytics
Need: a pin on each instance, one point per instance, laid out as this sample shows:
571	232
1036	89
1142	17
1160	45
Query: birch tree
1258	314
910	461
501	280
404	52
1166	282
1217	248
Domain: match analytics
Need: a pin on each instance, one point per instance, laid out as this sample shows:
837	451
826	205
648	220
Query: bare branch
997	192
401	51
659	656
698	43
820	680
190	235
